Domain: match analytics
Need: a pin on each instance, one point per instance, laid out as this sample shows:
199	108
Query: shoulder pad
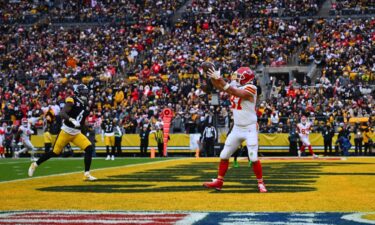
250	88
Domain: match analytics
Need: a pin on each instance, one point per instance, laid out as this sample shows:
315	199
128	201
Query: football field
169	191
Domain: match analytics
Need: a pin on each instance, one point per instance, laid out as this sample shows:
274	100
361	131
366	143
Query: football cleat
262	188
216	184
32	169
87	177
235	164
299	154
33	159
315	156
113	158
108	157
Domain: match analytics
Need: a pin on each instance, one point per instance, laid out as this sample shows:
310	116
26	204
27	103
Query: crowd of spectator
89	11
322	104
135	70
253	41
345	50
134	11
250	8
22	11
346	7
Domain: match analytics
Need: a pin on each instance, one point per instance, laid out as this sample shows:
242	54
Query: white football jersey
304	130
244	113
25	132
2	136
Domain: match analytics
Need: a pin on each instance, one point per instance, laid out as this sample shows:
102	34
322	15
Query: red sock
223	167
1	150
310	150
257	168
302	149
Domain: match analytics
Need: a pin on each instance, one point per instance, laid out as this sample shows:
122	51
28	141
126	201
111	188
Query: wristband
226	86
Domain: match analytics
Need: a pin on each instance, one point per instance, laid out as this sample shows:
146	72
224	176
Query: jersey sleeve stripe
69	99
251	90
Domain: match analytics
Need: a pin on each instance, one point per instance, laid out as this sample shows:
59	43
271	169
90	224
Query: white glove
215	74
74	122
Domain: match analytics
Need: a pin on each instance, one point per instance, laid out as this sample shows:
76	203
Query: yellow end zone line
100	169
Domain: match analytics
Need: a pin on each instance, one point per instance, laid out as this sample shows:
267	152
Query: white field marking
26	160
240	219
268	223
247	214
357	217
303	215
100	169
191	219
302	220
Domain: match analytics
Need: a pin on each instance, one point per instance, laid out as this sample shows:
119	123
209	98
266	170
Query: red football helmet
24	122
243	75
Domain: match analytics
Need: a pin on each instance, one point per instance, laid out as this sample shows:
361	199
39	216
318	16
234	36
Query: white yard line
115	167
19	161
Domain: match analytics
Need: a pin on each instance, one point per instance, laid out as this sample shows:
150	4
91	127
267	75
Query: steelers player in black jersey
74	116
108	136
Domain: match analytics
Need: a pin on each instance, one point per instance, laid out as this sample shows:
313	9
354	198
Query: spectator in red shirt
146	73
156	68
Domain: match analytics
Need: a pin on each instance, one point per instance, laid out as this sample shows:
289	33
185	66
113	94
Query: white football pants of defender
27	145
305	140
237	136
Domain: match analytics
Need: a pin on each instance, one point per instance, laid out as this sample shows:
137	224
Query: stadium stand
344	7
247	8
137	59
21	11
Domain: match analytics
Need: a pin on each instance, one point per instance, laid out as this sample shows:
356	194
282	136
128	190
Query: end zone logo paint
97	217
183	218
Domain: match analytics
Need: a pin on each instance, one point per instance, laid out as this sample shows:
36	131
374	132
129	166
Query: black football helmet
81	91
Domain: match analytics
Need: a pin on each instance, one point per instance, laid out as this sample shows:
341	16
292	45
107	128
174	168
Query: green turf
11	169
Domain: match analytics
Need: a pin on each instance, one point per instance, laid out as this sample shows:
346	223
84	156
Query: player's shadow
279	177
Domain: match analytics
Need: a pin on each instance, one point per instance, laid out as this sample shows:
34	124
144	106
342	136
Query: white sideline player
25	132
243	99
303	130
2	139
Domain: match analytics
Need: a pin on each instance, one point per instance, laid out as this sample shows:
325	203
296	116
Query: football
206	81
206	66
